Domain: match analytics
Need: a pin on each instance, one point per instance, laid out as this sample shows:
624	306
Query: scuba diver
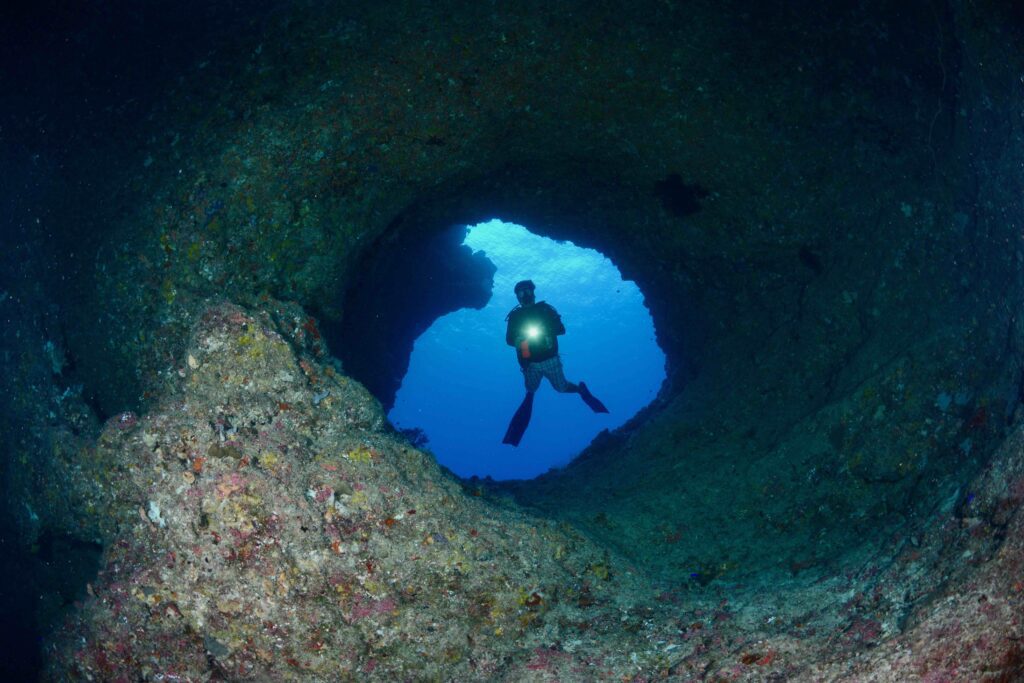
533	329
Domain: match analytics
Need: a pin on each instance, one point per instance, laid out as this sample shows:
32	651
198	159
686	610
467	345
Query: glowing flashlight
532	331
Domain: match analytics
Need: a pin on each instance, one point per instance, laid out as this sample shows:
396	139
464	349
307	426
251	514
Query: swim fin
591	400
520	421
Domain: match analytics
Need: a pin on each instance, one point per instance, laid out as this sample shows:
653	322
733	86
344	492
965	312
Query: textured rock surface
268	527
828	485
823	259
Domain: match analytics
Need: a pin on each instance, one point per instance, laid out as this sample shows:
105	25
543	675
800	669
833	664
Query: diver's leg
531	376
520	421
521	418
556	376
553	371
591	400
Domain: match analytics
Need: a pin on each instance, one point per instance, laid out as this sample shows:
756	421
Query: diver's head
524	292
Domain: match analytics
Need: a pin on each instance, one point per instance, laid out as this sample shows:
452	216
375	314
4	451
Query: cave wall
795	189
857	392
409	279
821	205
287	173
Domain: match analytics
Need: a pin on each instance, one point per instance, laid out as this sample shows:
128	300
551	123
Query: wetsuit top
545	324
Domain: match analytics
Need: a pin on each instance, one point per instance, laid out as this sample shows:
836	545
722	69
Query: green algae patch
218	450
269	460
362	456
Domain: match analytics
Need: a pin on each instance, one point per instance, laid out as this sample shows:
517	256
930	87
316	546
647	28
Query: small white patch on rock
154	515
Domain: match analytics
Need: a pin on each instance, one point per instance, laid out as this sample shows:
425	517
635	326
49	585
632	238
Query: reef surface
267	525
821	205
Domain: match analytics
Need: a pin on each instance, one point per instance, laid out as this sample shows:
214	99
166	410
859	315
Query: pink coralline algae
545	659
864	630
364	608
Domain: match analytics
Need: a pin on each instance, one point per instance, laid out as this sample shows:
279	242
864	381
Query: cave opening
464	384
451	383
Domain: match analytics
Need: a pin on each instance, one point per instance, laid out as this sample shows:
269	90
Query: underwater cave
230	327
462	383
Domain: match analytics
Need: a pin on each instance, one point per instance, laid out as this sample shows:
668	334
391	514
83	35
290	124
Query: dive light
531	332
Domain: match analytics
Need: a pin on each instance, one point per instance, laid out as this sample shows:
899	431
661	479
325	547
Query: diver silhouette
533	329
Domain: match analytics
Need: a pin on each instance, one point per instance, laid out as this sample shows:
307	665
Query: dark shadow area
43	582
77	75
408	280
679	199
79	82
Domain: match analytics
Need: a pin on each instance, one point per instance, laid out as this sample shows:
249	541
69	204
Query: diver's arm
557	328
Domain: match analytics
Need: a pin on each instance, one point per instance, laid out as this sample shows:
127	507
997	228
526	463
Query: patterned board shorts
550	368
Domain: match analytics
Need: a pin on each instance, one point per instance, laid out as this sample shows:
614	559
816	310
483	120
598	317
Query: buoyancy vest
533	330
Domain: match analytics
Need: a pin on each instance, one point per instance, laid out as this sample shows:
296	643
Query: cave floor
263	523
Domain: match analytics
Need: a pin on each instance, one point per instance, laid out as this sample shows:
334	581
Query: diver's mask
524	292
526	297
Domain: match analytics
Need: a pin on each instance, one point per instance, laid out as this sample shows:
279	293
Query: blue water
464	383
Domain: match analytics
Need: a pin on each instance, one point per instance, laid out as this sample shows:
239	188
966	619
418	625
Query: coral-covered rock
282	532
267	525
